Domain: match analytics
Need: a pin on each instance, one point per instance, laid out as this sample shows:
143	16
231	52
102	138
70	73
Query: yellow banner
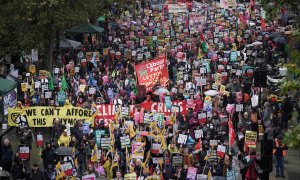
44	116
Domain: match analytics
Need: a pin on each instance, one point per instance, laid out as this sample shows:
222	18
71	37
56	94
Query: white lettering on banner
161	107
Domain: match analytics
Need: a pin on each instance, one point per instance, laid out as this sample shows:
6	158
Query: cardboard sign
32	69
48	94
182	139
105	142
24	152
198	133
24	87
92	90
125	141
61	97
192	173
138	150
250	139
89	177
177	160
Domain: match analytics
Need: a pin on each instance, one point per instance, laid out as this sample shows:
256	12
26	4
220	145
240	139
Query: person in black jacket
36	174
19	170
81	159
7	155
48	155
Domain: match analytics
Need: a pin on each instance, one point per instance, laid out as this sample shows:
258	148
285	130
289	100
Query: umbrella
101	18
211	93
65	151
161	90
281	40
86	28
4	173
68	43
256	43
272	80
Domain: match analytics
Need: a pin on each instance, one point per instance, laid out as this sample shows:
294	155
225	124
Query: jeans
279	162
81	169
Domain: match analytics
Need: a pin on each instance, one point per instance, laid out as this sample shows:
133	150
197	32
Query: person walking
7	155
251	173
279	152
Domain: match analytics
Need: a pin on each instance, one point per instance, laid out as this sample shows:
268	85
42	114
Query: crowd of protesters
223	50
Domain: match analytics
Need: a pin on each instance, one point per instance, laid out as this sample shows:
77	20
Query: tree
273	9
31	24
292	138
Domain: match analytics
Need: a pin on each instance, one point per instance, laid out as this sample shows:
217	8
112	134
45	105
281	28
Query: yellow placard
81	87
250	139
44	73
32	69
222	89
105	51
44	116
131	176
24	87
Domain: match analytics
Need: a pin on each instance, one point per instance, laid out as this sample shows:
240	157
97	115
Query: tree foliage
292	138
29	24
273	9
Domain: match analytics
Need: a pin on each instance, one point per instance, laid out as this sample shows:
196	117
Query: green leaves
292	138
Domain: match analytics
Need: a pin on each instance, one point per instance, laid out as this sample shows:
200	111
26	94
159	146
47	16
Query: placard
177	160
32	69
250	139
182	139
24	87
89	177
92	90
198	133
125	141
125	112
45	87
48	94
105	142
61	97
24	152
56	70
137	150
239	107
192	173
214	142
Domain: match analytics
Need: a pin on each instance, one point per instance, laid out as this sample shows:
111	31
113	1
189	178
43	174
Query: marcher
279	154
7	155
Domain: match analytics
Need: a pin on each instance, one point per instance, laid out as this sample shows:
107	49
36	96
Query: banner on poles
40	116
149	73
177	8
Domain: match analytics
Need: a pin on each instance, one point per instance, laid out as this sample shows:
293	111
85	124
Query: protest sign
230	175
192	173
61	97
40	116
149	73
24	87
177	160
138	150
131	176
34	55
125	141
32	69
89	177
105	142
221	151
198	133
24	152
182	139
250	139
9	100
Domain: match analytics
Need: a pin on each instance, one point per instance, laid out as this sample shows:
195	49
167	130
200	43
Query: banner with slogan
177	8
39	116
107	111
149	73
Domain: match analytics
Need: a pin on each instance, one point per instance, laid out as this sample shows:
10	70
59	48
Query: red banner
149	73
107	111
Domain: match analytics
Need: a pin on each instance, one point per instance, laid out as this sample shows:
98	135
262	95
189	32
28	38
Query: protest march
171	90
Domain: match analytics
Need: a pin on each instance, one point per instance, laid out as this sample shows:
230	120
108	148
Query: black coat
48	157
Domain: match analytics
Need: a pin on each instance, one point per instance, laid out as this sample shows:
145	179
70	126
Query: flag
60	174
64	84
94	157
50	85
198	145
93	60
204	47
231	132
262	24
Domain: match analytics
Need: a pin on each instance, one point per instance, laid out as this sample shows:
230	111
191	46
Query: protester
7	155
171	91
35	173
279	153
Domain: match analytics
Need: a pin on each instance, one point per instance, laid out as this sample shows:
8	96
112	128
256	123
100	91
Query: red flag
231	132
262	23
252	5
198	145
243	19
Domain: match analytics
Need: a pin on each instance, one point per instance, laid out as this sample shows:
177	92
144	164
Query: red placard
149	73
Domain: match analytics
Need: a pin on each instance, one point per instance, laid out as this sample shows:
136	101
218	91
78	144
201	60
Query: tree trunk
50	36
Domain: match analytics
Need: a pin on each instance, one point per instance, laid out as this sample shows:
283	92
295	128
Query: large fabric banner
107	111
177	8
41	116
149	73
